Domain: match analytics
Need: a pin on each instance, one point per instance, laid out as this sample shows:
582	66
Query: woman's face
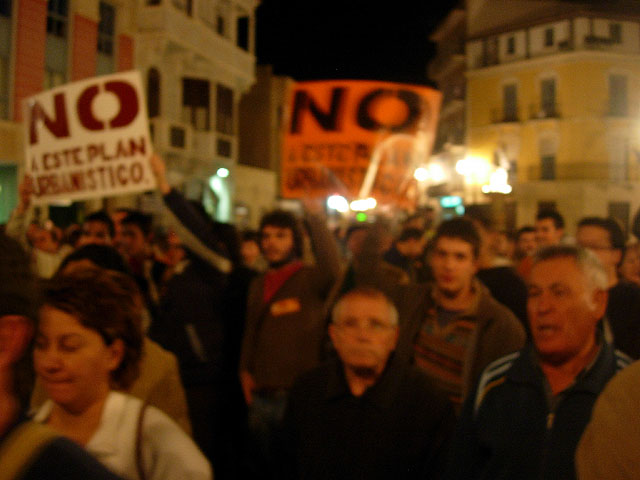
630	268
73	361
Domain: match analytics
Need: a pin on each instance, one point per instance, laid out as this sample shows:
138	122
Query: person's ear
15	334
116	351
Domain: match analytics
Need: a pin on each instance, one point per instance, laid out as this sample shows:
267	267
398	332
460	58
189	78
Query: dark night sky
329	39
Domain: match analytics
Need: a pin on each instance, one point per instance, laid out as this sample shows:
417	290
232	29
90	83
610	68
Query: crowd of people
420	349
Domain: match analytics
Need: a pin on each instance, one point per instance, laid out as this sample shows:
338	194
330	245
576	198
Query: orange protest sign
357	139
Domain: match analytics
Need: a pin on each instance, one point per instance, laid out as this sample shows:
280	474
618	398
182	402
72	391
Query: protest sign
357	139
88	139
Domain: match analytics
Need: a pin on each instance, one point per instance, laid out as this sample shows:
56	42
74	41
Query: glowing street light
338	203
363	204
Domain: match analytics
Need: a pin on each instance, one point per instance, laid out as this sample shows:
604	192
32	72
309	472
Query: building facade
196	58
261	116
553	92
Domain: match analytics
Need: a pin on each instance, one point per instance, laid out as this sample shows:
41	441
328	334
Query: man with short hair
525	248
97	229
362	415
527	413
28	451
604	237
285	323
549	227
453	328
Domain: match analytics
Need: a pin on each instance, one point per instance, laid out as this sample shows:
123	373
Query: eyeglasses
371	325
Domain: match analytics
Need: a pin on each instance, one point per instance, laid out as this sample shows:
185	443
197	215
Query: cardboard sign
357	139
88	139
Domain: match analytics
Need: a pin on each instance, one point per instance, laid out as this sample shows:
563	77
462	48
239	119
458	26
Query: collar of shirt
381	394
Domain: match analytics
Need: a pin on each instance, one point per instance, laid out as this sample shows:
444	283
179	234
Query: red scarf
274	279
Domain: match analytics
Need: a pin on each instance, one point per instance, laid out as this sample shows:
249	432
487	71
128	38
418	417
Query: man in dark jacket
362	415
529	409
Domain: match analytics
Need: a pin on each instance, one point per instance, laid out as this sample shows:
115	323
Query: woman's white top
168	453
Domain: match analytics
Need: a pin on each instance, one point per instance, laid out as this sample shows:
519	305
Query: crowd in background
380	349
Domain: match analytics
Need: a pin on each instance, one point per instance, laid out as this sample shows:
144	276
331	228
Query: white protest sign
88	139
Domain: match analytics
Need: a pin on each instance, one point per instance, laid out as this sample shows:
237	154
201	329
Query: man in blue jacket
530	408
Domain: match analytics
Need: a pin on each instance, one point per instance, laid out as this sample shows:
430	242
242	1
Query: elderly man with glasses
364	414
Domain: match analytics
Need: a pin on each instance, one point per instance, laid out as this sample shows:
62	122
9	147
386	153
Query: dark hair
250	236
526	229
554	215
102	300
18	296
356	227
103	256
460	228
141	220
102	217
284	219
616	236
410	233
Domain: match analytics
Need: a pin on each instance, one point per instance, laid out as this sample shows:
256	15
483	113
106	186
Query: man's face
133	242
363	334
454	265
276	243
563	310
547	233
527	243
597	240
94	232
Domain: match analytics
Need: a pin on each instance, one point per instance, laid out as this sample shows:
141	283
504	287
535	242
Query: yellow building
553	92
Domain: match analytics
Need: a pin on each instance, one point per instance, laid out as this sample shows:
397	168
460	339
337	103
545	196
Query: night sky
331	39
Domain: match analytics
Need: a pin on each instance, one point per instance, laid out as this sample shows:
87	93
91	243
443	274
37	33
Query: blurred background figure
630	267
250	251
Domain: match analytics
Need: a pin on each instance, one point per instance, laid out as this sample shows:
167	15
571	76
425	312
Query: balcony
541	112
168	20
208	145
169	136
499	115
597	171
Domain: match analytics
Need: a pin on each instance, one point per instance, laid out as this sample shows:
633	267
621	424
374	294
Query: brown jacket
284	337
498	331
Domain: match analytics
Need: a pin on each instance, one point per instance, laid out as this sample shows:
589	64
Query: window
153	93
220	27
5	55
5	8
57	12
4	88
621	212
615	32
242	34
224	110
106	28
510	105
618	95
548	37
548	97
548	167
511	45
195	103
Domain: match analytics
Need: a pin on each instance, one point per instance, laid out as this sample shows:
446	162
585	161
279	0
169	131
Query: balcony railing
603	171
539	112
499	115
